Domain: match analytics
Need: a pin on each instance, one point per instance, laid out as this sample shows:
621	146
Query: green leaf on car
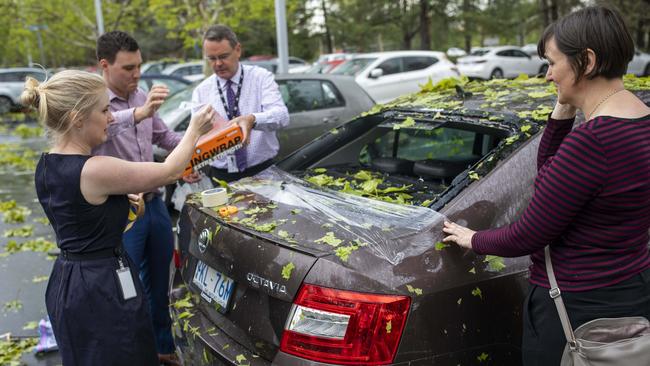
287	269
477	292
329	239
389	326
319	170
473	175
482	357
414	290
440	245
344	252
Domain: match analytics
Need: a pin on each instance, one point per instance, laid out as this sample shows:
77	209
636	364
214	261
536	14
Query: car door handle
329	119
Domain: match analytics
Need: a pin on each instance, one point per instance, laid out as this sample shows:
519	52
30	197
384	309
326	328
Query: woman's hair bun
31	95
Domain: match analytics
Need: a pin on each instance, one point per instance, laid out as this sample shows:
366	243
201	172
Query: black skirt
92	323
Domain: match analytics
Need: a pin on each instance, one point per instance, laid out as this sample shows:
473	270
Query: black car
333	257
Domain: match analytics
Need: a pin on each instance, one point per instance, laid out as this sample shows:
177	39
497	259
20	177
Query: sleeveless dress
92	322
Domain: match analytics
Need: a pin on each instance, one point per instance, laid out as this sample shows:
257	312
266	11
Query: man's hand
246	124
155	98
192	177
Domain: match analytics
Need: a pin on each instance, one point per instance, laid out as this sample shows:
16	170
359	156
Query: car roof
21	69
400	53
174	67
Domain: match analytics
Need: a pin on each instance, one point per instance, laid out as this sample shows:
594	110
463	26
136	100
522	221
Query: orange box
213	145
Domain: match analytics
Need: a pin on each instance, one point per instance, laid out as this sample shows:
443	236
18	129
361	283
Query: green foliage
12	350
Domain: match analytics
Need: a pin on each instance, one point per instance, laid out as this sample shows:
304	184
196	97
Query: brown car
334	255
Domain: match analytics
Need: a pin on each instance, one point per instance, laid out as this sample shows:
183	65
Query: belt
147	197
97	254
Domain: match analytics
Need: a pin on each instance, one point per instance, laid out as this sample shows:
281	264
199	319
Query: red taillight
177	258
344	327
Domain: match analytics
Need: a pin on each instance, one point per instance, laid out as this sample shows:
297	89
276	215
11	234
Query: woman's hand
201	122
563	111
458	234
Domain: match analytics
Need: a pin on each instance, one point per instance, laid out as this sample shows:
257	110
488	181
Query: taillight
344	327
177	258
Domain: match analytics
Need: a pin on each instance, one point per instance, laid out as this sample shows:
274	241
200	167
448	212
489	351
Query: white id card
126	283
232	164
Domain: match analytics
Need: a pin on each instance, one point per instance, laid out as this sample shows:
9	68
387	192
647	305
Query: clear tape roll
214	197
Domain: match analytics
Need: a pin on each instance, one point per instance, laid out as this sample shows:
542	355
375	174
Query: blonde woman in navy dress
94	298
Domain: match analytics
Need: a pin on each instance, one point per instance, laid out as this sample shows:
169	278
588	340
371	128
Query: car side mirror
375	73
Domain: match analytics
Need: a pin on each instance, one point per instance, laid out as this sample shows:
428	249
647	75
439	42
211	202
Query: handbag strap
555	294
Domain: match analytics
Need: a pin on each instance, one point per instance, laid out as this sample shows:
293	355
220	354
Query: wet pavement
23	274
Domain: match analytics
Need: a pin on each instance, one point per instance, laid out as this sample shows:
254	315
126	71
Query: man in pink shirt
137	127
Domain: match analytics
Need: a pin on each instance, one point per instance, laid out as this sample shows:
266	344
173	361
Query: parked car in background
530	48
640	64
296	65
387	75
456	52
501	62
192	71
12	83
173	83
328	62
156	67
333	256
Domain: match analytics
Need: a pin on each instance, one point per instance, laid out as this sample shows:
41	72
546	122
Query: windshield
479	52
353	67
171	108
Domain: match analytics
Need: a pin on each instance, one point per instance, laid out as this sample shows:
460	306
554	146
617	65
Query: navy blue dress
92	322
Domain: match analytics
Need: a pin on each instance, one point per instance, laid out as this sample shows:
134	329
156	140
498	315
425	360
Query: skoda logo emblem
204	240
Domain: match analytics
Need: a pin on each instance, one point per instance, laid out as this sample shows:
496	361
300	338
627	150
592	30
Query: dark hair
109	44
598	28
219	32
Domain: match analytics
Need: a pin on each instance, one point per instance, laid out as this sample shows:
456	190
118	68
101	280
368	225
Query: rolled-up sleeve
162	135
274	114
122	120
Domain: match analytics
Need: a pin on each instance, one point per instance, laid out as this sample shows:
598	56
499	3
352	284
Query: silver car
316	102
12	82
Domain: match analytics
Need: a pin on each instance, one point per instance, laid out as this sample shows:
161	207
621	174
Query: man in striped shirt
244	95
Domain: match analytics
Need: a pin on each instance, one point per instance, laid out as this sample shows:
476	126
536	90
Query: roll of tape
214	197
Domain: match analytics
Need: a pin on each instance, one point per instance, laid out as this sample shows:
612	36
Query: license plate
214	285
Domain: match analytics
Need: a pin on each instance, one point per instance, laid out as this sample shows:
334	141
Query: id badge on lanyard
126	281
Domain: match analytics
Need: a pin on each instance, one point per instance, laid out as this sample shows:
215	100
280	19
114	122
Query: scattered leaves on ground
23	232
13	305
11	351
38	279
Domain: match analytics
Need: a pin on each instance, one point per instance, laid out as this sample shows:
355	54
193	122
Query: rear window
353	67
307	95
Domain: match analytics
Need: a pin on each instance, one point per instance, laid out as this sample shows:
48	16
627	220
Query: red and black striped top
591	203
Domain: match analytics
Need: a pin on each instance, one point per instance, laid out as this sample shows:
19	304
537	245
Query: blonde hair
62	99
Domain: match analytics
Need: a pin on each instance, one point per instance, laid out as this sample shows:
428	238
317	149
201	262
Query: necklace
603	101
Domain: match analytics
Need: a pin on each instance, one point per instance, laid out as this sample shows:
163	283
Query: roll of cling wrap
214	145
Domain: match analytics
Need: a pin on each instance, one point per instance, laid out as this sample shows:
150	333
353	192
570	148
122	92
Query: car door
417	70
524	64
389	85
314	105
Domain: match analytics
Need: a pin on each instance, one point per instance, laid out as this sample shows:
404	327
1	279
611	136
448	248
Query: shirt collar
112	95
234	79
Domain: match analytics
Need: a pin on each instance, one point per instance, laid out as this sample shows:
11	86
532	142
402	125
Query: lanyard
235	112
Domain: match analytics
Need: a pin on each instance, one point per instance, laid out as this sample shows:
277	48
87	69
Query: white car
640	64
500	62
190	71
456	52
387	75
12	83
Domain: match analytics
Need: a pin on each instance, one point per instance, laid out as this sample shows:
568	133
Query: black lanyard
235	111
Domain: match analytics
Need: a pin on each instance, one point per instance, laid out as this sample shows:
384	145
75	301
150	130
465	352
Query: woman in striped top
592	192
